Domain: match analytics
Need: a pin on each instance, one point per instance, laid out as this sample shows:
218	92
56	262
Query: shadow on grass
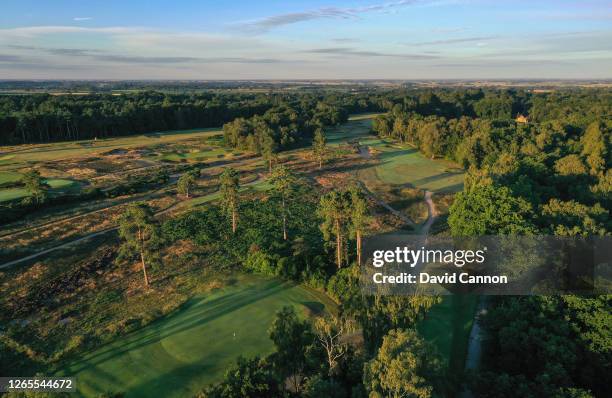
208	311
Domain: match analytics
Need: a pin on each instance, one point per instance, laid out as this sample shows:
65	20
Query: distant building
520	118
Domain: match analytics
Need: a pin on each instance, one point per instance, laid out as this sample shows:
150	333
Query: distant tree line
46	118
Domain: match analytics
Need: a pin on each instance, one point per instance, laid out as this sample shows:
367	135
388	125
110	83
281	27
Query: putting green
58	186
179	354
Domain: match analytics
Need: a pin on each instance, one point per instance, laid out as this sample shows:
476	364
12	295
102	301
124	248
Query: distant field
179	354
58	186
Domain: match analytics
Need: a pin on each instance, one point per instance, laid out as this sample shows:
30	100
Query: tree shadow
201	311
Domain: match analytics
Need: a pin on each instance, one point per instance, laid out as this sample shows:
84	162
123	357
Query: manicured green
179	354
57	186
401	164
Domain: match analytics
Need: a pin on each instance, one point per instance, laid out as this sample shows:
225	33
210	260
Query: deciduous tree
185	183
291	337
404	367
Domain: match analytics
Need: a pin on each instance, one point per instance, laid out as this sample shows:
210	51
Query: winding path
474	351
432	213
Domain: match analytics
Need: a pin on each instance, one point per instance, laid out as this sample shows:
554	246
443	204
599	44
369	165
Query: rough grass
180	353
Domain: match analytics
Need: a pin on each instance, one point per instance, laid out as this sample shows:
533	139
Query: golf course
397	164
178	354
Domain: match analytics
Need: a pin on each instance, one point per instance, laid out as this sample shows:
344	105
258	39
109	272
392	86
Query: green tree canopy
405	366
489	210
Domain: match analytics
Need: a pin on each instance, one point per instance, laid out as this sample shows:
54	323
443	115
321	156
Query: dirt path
364	152
474	351
431	212
384	204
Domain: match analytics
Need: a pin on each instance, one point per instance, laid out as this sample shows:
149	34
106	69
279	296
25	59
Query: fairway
398	164
179	354
62	150
403	165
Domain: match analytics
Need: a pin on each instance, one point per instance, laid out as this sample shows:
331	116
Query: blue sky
375	39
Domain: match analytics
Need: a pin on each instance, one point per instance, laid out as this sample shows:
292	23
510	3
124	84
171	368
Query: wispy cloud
453	41
102	56
263	25
181	60
347	51
32	31
78	19
10	58
345	40
74	52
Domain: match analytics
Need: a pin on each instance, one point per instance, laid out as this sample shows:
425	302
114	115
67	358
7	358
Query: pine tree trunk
144	269
338	245
234	221
270	165
358	247
284	221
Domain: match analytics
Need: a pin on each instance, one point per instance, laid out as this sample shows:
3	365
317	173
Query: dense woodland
46	118
550	175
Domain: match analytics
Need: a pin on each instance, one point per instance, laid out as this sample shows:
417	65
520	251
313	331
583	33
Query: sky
317	39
